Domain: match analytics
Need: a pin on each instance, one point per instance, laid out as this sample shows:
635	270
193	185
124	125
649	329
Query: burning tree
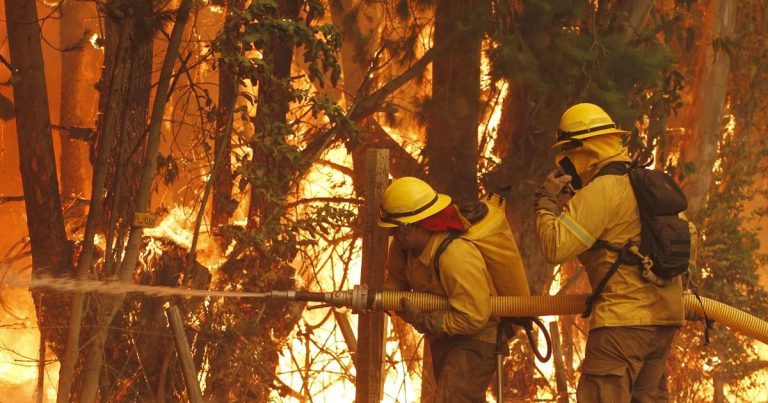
253	103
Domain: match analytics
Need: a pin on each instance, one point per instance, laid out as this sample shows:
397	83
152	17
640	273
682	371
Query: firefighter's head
587	137
407	201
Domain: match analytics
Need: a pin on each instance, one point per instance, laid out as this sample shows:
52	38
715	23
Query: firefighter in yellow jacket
632	321
462	337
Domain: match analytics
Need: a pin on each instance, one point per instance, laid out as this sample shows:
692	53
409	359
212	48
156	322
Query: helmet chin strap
568	168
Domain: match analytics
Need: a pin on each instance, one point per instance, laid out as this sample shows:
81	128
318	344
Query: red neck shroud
447	219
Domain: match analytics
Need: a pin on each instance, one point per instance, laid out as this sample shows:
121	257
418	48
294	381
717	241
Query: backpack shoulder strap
623	253
614	168
473	212
623	256
441	248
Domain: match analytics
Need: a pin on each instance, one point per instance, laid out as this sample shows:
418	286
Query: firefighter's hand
548	195
424	322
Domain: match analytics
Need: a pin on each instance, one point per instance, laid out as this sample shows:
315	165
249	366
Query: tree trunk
222	204
705	118
271	122
126	85
269	190
79	97
637	13
452	146
51	251
525	154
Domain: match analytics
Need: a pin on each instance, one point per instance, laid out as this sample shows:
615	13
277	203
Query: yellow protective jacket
606	209
465	278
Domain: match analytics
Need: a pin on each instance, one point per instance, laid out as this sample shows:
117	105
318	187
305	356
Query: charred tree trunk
452	146
272	126
126	85
79	98
525	159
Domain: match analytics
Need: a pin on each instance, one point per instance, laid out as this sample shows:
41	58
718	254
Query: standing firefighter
436	250
633	320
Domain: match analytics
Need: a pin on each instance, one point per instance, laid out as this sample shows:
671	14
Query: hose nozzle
358	298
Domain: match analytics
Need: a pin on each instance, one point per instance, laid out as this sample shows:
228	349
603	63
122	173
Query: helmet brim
442	202
590	134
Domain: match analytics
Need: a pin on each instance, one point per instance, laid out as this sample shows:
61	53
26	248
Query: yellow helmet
408	200
582	121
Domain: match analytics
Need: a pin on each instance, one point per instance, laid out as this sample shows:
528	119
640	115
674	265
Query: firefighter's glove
430	323
552	193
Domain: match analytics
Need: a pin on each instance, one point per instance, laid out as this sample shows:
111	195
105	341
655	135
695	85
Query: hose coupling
358	298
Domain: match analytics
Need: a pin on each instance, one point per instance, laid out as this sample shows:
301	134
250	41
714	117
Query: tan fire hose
729	316
360	299
506	306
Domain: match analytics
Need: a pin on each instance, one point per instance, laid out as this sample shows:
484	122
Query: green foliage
259	26
588	57
296	232
277	159
259	45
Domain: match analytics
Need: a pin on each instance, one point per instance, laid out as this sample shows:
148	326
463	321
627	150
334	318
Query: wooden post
557	356
370	329
185	355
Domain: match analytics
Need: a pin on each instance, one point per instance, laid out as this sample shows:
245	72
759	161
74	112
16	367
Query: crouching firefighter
468	258
634	313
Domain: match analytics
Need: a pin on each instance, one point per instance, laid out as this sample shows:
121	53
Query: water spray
361	299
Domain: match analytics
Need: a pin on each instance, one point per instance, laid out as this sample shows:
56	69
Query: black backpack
665	238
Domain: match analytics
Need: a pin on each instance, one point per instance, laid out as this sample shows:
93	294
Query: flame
94	40
178	226
317	360
308	368
728	132
19	349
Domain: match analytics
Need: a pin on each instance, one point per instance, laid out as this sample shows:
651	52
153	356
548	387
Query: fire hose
361	299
